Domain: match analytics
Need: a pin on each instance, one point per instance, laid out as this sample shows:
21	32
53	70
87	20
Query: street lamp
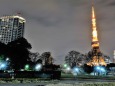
3	66
75	71
100	69
68	68
7	59
38	67
26	67
65	65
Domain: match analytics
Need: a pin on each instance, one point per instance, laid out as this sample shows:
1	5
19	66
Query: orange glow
95	45
94	32
96	59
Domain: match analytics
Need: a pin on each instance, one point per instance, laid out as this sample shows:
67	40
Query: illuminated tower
96	55
11	28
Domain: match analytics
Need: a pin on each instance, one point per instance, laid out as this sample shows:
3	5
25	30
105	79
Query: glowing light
65	65
100	69
76	69
6	17
38	67
3	66
94	32
68	69
26	67
7	59
96	59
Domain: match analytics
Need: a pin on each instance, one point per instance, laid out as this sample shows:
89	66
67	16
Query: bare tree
75	58
46	58
34	56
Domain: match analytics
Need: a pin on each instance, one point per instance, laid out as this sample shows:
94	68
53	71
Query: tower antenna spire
93	3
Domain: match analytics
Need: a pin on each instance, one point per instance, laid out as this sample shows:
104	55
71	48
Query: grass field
66	75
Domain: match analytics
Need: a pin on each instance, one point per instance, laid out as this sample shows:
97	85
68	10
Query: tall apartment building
11	28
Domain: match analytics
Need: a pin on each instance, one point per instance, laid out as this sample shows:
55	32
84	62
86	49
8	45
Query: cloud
111	3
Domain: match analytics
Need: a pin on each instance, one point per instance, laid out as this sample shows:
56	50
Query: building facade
11	28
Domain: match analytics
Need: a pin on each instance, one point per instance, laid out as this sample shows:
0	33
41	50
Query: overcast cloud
59	26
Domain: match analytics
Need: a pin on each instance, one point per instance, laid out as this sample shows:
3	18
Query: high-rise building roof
11	28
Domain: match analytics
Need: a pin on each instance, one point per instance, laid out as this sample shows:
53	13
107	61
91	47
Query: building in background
11	28
114	56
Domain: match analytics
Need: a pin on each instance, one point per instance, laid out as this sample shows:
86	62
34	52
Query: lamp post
38	67
100	70
26	67
75	71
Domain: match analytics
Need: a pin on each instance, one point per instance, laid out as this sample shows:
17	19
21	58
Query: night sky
60	26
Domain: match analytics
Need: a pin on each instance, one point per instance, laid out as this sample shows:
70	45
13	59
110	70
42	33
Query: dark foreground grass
64	75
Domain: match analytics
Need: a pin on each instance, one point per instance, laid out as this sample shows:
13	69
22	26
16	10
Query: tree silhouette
47	58
19	52
3	49
34	56
88	69
74	58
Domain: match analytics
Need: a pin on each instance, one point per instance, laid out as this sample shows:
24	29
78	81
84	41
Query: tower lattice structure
96	55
